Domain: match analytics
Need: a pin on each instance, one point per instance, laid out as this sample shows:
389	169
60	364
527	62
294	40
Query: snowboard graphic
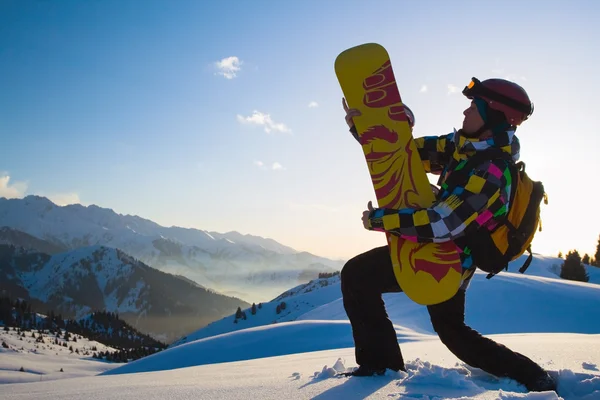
428	273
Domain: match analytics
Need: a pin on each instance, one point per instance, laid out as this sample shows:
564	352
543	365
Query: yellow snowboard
429	273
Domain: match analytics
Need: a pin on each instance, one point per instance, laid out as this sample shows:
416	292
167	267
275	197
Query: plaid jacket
474	204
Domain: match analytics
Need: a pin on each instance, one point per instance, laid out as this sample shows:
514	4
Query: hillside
48	356
95	278
504	297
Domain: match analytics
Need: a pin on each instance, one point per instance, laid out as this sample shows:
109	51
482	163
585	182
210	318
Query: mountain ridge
255	267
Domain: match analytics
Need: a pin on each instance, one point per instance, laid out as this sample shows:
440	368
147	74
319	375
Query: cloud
452	88
11	191
277	167
228	67
18	190
313	104
423	89
64	199
265	120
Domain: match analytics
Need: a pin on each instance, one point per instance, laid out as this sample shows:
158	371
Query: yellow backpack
492	251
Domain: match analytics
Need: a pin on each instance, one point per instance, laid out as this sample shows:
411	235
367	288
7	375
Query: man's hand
365	215
350	113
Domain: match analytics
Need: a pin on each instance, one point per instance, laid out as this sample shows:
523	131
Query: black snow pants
367	276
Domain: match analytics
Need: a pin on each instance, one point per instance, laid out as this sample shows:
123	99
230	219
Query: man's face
472	121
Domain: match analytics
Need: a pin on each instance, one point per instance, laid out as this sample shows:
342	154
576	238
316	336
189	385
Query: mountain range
249	267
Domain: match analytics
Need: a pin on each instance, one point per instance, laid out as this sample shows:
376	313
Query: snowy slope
554	321
433	373
298	301
42	359
508	303
256	268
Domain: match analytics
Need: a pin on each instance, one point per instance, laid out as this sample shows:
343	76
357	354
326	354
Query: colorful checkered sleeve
484	196
435	152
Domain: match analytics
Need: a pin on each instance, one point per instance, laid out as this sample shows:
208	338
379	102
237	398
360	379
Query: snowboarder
497	107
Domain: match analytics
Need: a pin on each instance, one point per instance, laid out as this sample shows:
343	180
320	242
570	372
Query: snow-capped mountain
250	267
93	278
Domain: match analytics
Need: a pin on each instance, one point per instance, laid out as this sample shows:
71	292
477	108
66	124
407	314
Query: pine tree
253	309
597	255
560	255
238	313
573	269
586	259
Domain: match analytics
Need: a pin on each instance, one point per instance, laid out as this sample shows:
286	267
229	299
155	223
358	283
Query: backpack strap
528	261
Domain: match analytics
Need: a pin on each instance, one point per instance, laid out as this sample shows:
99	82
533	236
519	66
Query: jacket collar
506	141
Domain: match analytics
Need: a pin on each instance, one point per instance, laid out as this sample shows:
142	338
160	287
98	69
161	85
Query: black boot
542	384
365	371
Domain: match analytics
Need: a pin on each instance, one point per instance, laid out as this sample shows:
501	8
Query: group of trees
573	267
239	314
328	274
104	327
19	313
125	355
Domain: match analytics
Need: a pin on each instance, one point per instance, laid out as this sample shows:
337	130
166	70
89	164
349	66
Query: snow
431	373
296	353
43	361
263	341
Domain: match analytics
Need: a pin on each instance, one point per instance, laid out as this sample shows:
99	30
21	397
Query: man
497	108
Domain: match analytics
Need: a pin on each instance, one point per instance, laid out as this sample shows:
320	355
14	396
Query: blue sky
122	104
